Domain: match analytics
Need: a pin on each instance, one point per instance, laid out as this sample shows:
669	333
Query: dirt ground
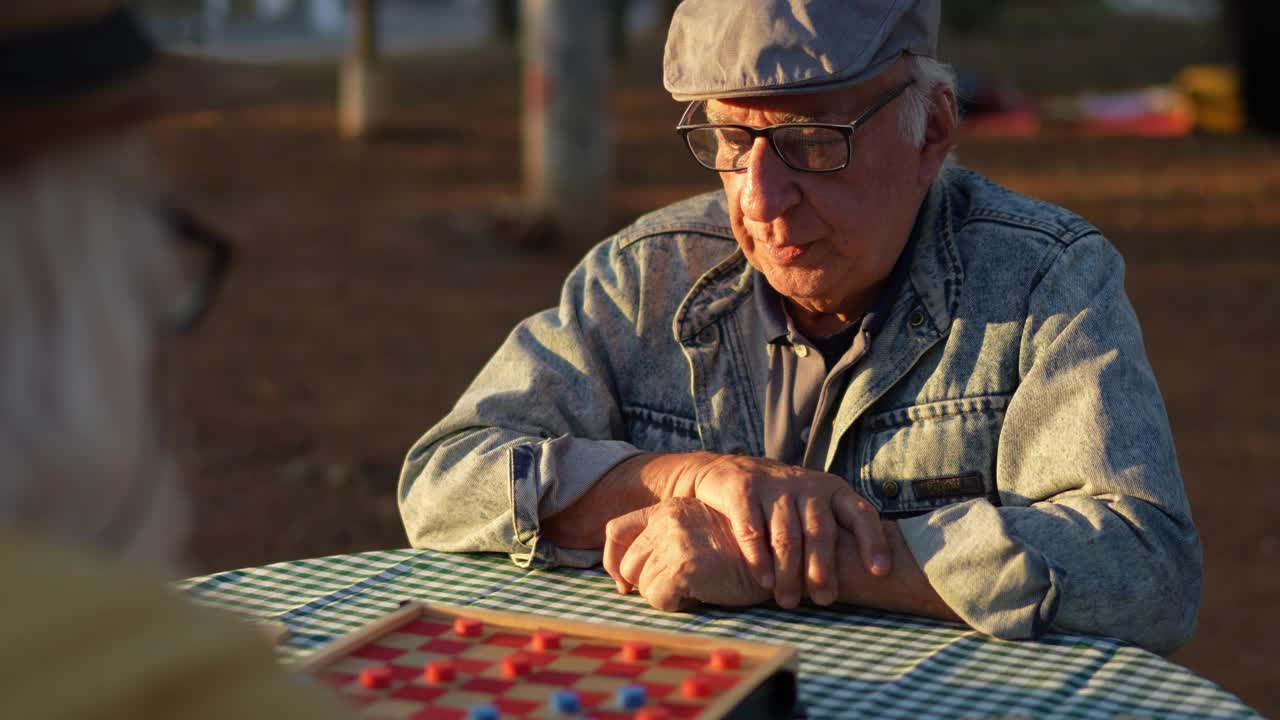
370	286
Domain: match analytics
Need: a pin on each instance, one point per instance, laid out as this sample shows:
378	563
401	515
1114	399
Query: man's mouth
787	254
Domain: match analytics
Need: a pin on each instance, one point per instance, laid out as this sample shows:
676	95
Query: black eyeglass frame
846	129
190	231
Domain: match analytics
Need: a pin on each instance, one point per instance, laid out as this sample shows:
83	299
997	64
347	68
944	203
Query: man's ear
940	132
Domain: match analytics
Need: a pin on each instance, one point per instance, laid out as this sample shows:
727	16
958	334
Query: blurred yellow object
1214	93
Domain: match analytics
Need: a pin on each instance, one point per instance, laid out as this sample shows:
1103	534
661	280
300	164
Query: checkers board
428	661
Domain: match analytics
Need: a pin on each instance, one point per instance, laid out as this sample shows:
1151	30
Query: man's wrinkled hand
679	553
784	520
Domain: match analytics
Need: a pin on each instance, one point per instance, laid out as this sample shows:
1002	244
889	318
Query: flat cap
737	48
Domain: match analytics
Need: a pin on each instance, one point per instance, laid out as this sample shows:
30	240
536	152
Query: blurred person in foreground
856	374
91	516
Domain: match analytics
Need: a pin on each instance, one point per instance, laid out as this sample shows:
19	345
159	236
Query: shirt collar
777	326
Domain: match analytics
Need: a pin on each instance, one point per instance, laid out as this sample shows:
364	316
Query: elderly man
857	374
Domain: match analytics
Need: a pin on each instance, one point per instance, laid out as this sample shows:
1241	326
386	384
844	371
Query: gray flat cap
736	48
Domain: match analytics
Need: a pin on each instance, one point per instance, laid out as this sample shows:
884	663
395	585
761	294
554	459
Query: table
854	662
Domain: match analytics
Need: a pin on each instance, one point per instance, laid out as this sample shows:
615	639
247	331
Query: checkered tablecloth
854	663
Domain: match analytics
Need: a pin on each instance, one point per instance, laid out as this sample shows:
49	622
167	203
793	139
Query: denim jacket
1005	413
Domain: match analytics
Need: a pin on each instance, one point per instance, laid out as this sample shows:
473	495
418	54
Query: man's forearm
905	589
632	484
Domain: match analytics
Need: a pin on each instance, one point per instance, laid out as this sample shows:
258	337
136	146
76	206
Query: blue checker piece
483	712
566	701
632	697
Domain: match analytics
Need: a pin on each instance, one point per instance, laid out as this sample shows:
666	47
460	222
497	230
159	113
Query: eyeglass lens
804	147
201	257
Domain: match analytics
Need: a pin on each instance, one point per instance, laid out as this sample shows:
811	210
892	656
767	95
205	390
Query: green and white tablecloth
854	663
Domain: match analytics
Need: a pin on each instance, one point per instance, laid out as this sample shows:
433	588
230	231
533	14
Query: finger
619	534
664	589
788	549
747	521
631	568
819	550
858	516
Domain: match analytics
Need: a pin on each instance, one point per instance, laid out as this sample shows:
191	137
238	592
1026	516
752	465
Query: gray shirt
806	375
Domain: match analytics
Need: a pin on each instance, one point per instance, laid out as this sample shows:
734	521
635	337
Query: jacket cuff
991	579
549	476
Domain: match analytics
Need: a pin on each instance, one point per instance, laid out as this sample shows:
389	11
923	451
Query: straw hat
72	69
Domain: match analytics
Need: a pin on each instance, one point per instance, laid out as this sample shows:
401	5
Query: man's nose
769	190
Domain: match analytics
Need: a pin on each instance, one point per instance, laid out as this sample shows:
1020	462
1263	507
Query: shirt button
890	488
804	435
802	350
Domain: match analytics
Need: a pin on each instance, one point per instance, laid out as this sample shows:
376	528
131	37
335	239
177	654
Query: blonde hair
84	268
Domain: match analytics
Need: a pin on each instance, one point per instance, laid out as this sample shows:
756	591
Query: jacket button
916	319
890	488
707	335
802	350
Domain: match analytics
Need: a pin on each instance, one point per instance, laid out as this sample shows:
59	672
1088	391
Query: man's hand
679	553
784	519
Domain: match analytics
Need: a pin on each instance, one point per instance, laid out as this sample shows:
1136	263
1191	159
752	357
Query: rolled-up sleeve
535	430
1093	533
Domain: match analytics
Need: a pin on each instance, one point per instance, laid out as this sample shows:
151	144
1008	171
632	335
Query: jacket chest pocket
657	431
913	460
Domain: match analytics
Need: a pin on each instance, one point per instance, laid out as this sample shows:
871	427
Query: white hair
85	266
917	100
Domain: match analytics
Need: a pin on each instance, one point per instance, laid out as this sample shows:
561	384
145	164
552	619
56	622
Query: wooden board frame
768	691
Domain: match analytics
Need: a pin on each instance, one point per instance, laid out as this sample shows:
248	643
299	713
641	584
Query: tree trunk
566	146
1252	23
362	91
506	20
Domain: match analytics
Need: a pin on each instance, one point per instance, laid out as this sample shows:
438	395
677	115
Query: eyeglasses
203	257
807	147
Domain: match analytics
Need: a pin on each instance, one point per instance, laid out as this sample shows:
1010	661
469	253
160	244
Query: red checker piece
636	651
725	659
516	665
439	671
696	686
376	677
468	627
545	640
